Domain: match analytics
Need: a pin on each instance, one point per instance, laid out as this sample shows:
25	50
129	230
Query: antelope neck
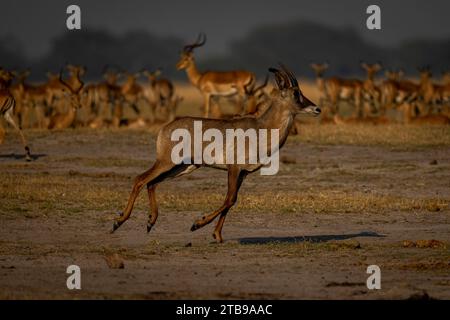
193	74
278	116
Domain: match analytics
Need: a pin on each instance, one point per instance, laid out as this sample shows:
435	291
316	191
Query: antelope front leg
235	178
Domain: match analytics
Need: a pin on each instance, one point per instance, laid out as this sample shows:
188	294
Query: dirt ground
340	203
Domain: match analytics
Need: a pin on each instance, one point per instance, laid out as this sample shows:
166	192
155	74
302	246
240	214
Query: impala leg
235	178
153	206
117	114
10	119
207	98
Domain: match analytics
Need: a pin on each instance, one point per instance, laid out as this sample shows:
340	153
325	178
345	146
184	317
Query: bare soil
309	232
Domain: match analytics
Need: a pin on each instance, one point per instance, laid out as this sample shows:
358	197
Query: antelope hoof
27	154
149	227
218	237
199	223
116	226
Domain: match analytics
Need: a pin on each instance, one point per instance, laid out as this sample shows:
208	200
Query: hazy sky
35	23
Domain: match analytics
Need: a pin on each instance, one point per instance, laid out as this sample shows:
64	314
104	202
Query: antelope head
255	95
394	75
187	56
289	93
6	77
152	75
319	68
371	69
76	70
72	90
111	74
446	77
425	72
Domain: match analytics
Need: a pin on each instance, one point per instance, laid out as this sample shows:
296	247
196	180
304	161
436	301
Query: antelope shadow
22	156
312	239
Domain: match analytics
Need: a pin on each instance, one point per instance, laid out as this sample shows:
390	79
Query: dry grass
397	135
404	136
38	195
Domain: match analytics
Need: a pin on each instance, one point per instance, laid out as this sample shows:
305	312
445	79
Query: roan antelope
7	104
284	104
214	83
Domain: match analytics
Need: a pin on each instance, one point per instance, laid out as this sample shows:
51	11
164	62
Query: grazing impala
214	83
284	104
7	104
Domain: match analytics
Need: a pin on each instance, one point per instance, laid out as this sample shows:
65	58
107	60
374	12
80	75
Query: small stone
288	160
114	261
433	162
408	244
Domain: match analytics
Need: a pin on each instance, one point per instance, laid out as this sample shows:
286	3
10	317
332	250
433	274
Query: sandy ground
307	233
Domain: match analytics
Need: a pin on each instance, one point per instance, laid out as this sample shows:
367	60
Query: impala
429	119
105	96
131	92
335	89
214	83
284	104
396	91
73	89
162	88
256	98
371	92
7	104
324	100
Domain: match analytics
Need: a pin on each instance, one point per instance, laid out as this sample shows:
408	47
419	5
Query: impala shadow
34	156
312	239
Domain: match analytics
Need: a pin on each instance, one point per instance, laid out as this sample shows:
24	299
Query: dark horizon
35	24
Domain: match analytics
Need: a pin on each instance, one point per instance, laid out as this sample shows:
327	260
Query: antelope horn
201	40
280	78
62	80
290	75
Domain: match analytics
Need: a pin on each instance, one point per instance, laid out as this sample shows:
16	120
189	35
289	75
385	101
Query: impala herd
421	102
60	104
57	104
